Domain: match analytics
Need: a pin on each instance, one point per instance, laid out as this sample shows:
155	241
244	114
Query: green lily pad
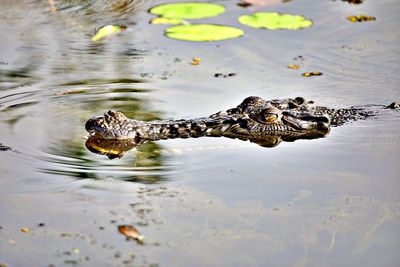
203	32
188	10
275	21
107	31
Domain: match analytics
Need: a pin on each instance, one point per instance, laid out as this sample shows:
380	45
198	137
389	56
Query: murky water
198	202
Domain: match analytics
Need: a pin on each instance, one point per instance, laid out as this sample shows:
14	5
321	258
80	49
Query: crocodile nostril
300	100
89	125
95	124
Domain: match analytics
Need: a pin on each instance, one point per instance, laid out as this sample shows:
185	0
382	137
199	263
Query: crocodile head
266	126
265	122
257	120
111	125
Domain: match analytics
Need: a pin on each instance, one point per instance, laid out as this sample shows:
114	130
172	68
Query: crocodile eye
270	117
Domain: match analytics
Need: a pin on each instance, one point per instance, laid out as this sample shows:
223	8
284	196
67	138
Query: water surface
198	202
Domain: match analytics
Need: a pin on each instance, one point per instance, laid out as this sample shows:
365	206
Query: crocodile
262	121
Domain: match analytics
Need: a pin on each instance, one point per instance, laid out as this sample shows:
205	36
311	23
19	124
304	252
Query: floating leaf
190	10
275	21
25	230
294	66
107	31
203	32
172	21
312	73
130	232
196	61
360	18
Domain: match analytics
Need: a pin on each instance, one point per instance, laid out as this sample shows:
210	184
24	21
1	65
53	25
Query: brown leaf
360	18
312	73
130	232
196	61
294	66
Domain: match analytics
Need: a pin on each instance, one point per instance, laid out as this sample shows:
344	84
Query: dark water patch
102	10
16	96
103	82
134	53
10	79
129	90
20	105
72	5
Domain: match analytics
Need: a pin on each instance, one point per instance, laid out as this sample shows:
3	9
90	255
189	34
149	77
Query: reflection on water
70	159
327	202
147	166
115	148
55	78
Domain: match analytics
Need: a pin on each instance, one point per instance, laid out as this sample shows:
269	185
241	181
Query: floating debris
107	32
360	18
244	4
312	73
196	61
66	235
130	232
355	2
299	58
71	92
25	230
219	75
260	3
294	66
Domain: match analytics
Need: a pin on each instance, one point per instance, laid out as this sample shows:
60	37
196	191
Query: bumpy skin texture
254	117
265	122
